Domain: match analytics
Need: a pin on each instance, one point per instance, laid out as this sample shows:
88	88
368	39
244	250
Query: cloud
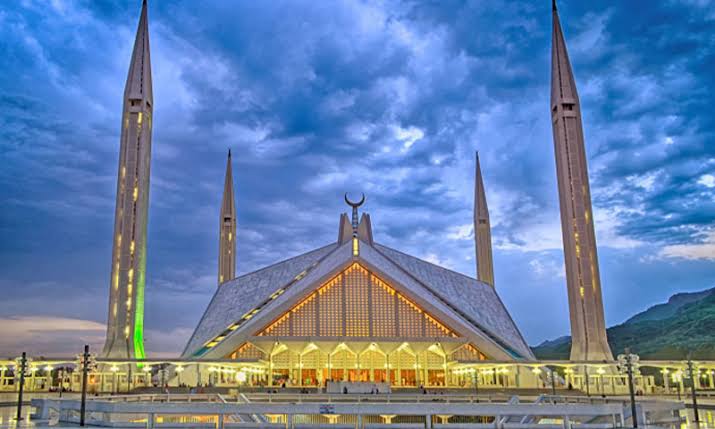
704	250
387	98
66	337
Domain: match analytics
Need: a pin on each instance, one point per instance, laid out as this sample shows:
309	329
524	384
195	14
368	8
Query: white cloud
461	232
408	136
703	251
547	267
707	180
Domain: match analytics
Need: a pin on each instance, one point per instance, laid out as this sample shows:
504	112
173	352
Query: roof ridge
284	286
432	264
283	261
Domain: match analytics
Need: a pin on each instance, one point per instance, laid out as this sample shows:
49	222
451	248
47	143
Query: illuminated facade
588	328
355	310
125	324
482	230
227	229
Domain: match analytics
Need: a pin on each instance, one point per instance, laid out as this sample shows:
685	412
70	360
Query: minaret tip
553	5
229	149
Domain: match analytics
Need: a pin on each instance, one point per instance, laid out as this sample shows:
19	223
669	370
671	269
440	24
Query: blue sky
315	99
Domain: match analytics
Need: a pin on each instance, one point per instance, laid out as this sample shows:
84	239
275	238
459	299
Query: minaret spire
588	328
482	230
227	229
125	322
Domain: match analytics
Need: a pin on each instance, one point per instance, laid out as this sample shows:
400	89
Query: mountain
686	323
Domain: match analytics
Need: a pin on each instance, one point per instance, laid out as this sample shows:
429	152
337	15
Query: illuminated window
139	118
230	237
131	247
136	193
356	247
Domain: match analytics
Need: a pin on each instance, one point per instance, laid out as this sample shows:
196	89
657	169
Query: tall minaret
482	230
227	229
125	323
588	328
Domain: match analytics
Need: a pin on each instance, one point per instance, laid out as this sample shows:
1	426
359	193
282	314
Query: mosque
354	310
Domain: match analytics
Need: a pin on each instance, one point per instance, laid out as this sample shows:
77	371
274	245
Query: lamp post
553	382
692	375
476	383
21	367
179	370
627	360
85	370
61	374
114	370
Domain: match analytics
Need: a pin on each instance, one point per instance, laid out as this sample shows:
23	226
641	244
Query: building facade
356	310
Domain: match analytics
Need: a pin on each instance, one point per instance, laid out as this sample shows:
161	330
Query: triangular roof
243	306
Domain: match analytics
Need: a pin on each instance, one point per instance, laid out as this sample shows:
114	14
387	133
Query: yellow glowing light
48	368
146	369
581	291
220	278
131	246
179	369
114	368
124	171
130	274
230	236
136	193
139	118
536	371
356	247
126	331
601	371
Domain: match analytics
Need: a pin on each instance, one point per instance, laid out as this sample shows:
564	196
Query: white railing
153	413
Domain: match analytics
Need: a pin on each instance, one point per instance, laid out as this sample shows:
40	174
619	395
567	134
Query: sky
319	98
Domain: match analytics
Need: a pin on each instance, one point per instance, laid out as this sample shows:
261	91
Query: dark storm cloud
391	99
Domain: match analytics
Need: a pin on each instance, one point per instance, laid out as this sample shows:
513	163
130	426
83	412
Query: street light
179	370
114	370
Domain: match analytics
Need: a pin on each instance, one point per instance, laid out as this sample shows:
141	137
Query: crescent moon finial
353	204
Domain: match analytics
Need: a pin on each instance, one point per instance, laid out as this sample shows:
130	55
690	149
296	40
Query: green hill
686	323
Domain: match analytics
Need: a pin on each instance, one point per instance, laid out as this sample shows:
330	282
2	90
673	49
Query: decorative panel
247	351
330	299
356	303
468	353
357	308
411	318
383	309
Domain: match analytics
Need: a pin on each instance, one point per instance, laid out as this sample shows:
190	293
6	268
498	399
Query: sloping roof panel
234	298
476	300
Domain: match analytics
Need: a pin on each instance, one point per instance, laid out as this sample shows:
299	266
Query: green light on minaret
139	313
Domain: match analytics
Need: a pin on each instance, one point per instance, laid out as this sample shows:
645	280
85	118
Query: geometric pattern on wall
468	353
247	351
356	303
